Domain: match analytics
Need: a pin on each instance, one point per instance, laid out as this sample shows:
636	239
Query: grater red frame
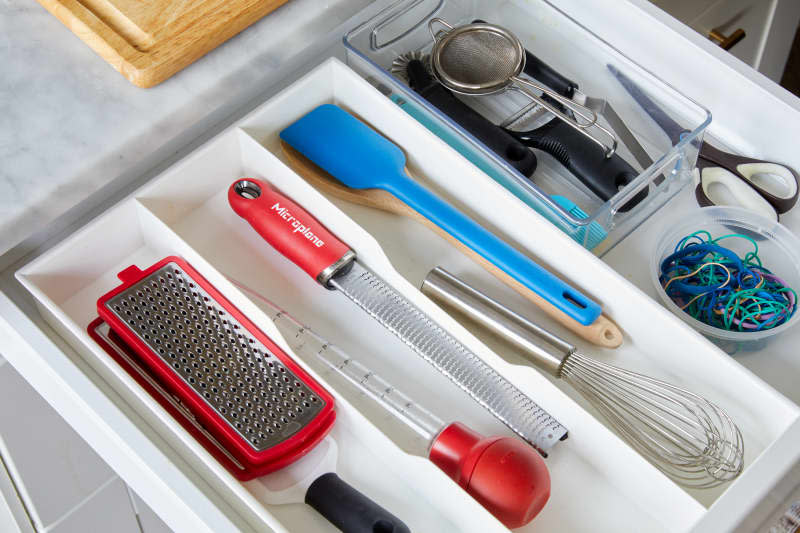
256	463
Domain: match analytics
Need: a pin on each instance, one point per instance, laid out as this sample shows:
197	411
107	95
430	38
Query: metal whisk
687	437
480	59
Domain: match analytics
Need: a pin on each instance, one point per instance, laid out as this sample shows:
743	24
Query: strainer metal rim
472	88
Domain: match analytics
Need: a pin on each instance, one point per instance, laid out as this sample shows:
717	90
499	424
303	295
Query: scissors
723	178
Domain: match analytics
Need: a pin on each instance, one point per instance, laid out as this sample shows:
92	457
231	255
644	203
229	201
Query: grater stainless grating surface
214	355
429	340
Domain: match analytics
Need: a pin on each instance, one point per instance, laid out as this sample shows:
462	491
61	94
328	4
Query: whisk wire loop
648	407
684	435
679	437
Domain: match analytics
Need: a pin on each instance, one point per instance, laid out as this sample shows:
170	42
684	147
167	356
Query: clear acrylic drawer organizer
576	53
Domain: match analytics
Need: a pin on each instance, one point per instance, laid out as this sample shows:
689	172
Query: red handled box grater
234	389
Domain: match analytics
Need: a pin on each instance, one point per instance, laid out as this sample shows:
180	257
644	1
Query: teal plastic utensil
360	158
589	236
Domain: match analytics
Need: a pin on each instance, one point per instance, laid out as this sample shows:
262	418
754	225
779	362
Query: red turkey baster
503	474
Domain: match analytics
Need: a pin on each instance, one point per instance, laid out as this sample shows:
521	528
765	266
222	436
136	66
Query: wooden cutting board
148	41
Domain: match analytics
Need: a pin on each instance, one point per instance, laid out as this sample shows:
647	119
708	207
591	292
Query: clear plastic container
778	249
574	52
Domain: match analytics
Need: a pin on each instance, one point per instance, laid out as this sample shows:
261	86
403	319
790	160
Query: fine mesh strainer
479	59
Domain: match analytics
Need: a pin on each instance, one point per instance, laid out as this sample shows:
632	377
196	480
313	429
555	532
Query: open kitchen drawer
599	483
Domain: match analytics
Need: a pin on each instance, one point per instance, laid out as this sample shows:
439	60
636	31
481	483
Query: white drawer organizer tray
598	482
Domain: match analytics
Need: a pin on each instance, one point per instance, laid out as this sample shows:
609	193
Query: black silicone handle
348	509
494	137
541	71
604	176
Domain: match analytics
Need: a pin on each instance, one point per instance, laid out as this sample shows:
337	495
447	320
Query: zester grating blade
207	347
505	401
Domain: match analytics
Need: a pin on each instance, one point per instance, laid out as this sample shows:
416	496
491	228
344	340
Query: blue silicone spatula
364	162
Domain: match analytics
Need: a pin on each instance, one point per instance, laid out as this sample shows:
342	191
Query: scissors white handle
772	177
722	187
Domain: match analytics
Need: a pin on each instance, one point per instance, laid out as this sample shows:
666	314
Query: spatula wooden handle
601	332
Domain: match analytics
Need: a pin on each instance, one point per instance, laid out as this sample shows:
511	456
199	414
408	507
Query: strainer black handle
602	175
541	71
350	510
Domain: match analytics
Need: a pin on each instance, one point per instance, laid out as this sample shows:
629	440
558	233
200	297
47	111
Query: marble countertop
69	123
